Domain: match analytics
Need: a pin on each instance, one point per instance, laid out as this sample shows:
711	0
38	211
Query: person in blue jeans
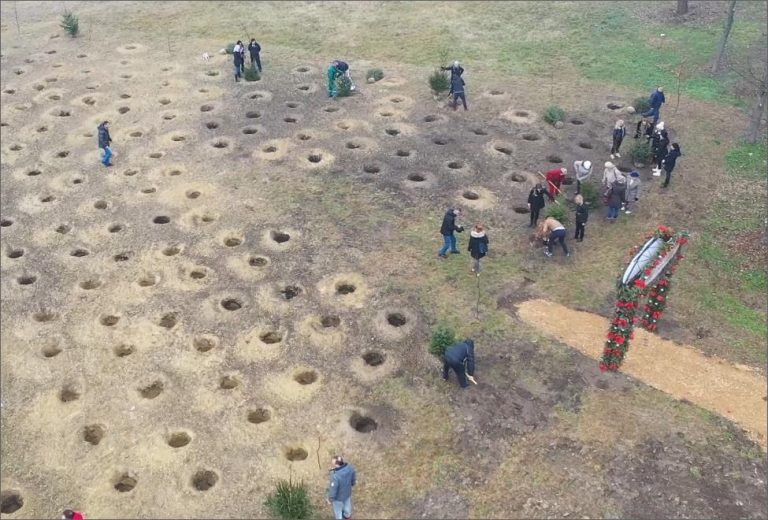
655	101
461	359
104	141
615	196
447	229
457	89
553	231
238	55
343	478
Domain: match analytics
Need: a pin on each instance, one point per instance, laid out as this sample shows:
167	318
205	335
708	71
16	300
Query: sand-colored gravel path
733	391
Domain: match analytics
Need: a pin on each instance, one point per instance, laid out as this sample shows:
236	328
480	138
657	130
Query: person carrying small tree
449	226
461	359
254	49
632	193
618	136
457	89
478	246
582	169
536	203
456	70
582	215
555	178
669	163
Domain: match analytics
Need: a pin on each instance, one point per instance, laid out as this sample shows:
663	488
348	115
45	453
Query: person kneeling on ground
552	231
478	246
446	229
582	215
456	357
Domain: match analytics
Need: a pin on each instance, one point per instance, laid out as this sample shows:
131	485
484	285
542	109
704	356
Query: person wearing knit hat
582	169
612	174
659	146
555	178
633	190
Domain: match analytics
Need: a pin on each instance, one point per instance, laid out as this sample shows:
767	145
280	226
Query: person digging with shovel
461	358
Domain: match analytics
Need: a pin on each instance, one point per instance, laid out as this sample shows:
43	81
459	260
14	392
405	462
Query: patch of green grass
748	160
733	311
729	264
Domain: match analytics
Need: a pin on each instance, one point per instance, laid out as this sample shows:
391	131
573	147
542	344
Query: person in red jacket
69	514
554	179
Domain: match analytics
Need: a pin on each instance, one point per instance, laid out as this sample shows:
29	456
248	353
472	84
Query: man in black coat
254	49
536	203
461	358
446	229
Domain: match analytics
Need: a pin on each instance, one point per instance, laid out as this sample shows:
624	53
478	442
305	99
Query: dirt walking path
733	391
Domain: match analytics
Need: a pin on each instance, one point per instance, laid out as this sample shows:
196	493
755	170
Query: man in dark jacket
456	357
582	215
669	163
104	141
343	478
238	55
254	49
448	227
659	145
536	203
456	70
457	88
655	101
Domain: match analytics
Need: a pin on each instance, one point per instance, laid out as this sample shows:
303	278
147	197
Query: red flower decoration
640	283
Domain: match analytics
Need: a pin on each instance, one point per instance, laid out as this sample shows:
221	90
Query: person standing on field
238	59
632	193
669	163
254	49
618	136
536	203
655	101
447	229
343	478
659	146
478	246
104	143
582	215
456	70
582	170
457	88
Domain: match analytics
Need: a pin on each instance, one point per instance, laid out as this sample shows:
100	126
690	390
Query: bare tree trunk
724	40
753	132
682	7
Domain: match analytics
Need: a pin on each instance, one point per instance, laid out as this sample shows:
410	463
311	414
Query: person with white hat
456	71
582	169
659	146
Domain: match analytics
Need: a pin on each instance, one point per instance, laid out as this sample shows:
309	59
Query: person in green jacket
333	73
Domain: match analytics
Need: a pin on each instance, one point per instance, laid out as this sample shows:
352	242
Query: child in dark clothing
582	215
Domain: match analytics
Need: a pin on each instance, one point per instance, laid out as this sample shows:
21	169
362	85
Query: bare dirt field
251	288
